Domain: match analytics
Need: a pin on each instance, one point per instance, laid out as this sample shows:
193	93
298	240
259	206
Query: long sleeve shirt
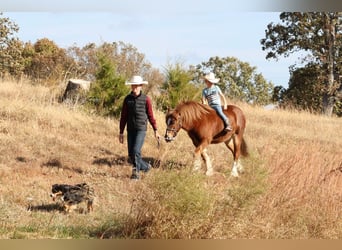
136	110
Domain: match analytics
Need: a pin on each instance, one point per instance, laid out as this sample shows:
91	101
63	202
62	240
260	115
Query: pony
205	127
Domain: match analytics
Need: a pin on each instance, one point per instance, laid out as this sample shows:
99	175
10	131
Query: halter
174	130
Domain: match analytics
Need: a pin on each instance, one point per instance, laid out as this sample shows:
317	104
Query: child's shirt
212	94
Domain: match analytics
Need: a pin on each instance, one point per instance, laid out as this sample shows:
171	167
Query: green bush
177	87
108	91
175	204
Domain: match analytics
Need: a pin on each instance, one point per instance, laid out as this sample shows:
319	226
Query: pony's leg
197	163
205	156
235	172
231	146
237	166
197	159
198	152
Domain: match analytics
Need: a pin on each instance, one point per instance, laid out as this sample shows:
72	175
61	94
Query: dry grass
292	187
303	154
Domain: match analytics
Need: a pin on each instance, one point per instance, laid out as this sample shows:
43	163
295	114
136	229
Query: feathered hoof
234	174
209	173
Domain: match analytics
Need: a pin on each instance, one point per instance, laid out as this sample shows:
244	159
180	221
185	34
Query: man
136	110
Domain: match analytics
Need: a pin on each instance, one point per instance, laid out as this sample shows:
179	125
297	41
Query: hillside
292	187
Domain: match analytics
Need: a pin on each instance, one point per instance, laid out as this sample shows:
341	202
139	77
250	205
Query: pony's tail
244	148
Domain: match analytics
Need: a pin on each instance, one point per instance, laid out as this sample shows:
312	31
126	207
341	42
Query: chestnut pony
205	127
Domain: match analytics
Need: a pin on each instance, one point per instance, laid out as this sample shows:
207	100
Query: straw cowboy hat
136	80
211	78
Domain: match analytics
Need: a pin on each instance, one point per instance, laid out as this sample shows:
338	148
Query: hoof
196	170
241	169
209	173
234	174
197	166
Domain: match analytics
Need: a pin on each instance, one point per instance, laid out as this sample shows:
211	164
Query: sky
189	31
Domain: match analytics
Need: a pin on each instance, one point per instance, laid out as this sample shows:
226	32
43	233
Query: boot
135	175
227	127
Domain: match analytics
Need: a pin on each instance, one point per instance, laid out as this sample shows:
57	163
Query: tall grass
291	187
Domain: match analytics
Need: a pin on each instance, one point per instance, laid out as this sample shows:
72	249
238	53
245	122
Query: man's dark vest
137	117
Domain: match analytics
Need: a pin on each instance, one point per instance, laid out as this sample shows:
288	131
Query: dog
72	195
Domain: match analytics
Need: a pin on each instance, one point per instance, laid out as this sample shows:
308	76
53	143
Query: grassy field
291	188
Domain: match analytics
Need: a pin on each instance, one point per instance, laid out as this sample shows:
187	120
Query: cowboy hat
136	80
211	78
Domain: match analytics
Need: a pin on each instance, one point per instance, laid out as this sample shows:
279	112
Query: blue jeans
219	111
135	141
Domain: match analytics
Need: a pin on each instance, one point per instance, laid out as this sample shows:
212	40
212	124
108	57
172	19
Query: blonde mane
192	111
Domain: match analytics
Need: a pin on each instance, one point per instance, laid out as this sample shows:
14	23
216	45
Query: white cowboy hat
136	80
211	78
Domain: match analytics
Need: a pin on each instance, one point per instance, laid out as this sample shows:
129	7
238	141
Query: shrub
107	93
173	205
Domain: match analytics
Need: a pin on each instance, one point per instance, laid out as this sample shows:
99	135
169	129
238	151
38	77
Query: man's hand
156	134
121	138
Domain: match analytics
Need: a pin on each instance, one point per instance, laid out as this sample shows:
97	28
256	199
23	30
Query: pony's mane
192	111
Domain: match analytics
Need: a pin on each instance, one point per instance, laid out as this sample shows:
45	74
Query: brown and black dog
72	195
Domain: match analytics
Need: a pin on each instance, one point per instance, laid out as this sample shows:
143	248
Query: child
212	95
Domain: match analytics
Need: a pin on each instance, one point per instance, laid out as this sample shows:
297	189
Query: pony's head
173	123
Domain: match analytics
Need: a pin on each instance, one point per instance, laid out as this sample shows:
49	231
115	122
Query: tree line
316	86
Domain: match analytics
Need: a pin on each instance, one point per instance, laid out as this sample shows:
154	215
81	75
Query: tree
278	93
238	80
318	33
177	87
10	48
304	91
46	62
85	61
108	91
125	58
